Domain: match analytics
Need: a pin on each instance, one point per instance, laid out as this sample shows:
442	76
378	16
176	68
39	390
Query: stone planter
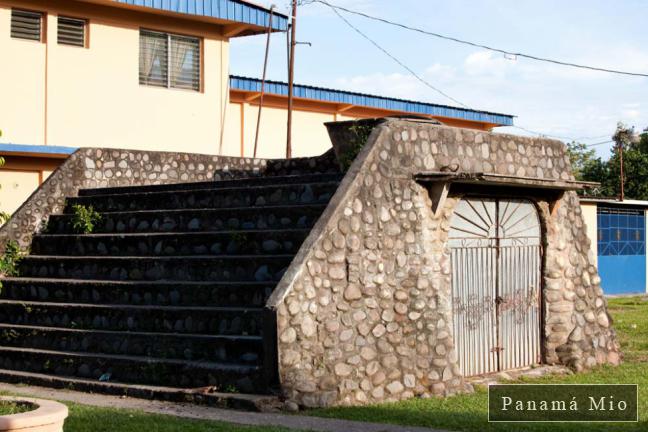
344	137
47	416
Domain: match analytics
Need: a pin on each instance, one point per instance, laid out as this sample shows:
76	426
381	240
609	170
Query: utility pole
291	78
623	135
621	168
263	81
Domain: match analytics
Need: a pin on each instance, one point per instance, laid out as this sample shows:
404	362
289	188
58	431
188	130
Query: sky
559	101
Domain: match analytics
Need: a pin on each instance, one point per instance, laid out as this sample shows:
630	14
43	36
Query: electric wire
336	9
478	45
394	58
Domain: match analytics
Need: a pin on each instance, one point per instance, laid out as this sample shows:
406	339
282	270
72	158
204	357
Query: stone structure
100	167
364	312
363	309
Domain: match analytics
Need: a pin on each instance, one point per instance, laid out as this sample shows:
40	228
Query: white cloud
549	99
392	85
487	63
632	114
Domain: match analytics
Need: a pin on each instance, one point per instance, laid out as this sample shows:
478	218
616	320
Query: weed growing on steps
4	216
84	219
9	260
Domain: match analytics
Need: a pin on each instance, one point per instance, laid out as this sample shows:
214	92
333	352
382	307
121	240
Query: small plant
10	408
360	135
240	238
4	216
84	219
9	260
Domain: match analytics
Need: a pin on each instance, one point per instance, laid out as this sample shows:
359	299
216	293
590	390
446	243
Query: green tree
586	166
581	158
635	164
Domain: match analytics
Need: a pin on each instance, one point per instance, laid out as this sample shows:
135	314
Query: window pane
153	58
185	62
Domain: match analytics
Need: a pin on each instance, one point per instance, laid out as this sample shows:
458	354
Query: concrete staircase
168	290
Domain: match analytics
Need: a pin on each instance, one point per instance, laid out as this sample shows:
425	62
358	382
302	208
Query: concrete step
195	347
133	369
137	268
300	216
249	242
309	193
221	184
208	396
160	293
142	318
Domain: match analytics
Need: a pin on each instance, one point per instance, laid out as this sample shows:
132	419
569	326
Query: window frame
86	31
42	26
169	36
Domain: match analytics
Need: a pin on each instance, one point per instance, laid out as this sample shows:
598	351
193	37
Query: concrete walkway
304	423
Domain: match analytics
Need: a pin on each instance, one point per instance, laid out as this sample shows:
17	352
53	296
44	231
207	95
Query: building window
72	31
26	24
168	60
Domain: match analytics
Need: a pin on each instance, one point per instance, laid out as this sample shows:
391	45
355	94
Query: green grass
84	418
9	408
469	412
92	419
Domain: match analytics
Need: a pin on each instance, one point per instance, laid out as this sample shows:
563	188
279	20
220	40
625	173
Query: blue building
618	231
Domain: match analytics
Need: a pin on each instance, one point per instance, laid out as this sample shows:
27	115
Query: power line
599	143
475	44
592	138
403	65
540	134
426	83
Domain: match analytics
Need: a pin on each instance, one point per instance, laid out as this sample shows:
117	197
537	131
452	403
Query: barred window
71	31
168	60
26	24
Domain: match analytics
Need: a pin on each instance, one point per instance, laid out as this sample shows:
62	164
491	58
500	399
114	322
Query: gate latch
496	349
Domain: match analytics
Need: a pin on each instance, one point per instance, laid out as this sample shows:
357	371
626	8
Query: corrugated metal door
495	257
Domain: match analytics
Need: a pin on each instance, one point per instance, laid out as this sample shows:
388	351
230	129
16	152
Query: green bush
9	260
360	135
4	217
84	219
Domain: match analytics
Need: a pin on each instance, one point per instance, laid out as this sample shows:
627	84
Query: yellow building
154	75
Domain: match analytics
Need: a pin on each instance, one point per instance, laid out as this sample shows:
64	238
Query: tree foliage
588	167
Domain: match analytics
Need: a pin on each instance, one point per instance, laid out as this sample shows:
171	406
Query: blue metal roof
365	100
230	10
43	149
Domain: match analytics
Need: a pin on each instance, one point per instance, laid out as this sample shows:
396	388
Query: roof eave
248	24
394	105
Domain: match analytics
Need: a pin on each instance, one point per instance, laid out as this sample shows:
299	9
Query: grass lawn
469	412
91	419
83	418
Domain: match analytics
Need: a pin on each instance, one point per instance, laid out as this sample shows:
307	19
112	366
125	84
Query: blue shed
619	233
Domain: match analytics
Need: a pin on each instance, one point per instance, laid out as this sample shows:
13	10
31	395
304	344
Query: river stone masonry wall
100	167
364	312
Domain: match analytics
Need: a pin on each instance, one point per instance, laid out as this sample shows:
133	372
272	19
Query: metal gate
495	257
